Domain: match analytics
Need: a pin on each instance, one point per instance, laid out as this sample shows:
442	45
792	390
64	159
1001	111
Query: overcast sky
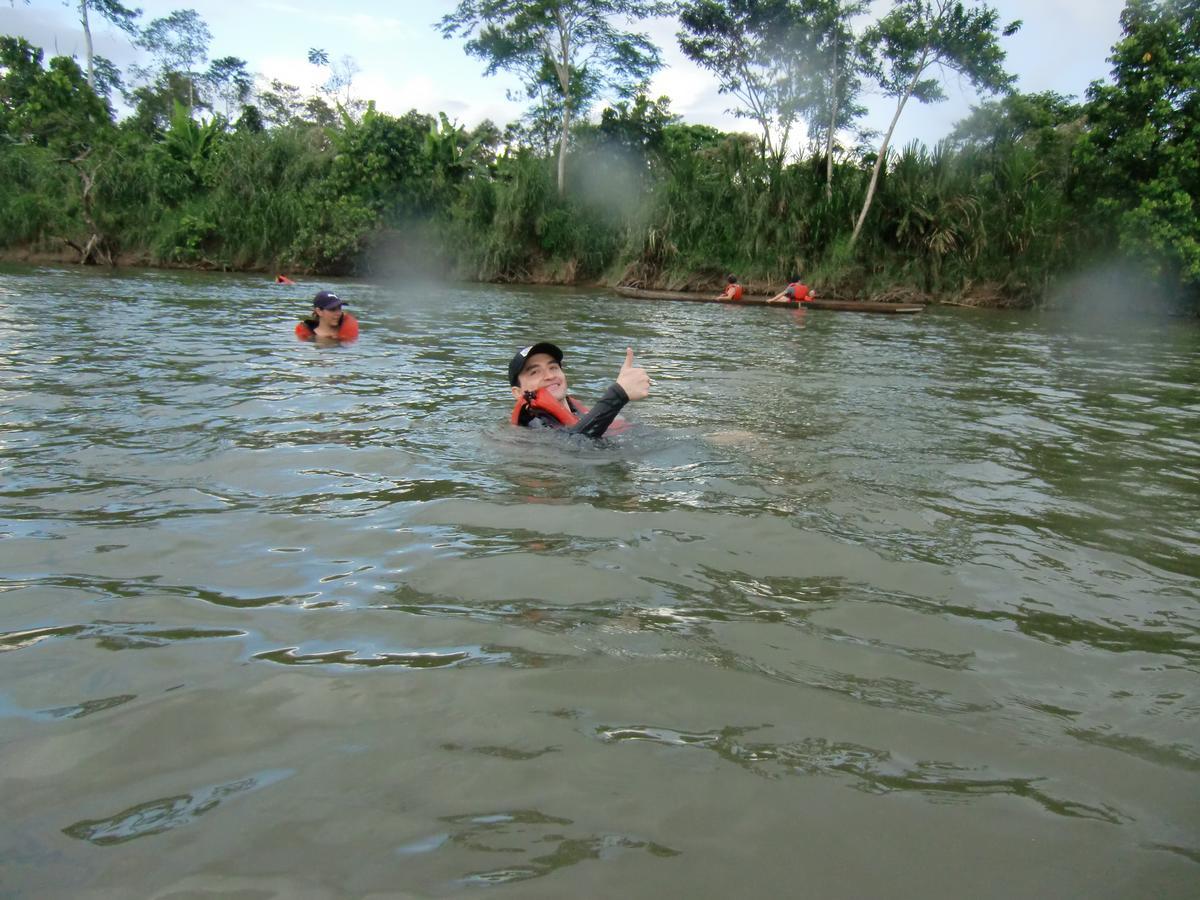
405	63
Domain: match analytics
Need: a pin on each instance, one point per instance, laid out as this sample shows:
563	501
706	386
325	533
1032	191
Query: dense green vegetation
1028	190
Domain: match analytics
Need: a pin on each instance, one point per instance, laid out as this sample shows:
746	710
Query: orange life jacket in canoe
799	292
347	328
734	292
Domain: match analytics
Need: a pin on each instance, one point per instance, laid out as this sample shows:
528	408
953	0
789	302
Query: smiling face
328	317
542	371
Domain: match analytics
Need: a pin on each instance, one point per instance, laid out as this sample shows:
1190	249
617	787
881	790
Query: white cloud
291	70
375	29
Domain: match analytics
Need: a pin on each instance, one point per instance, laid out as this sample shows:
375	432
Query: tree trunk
562	149
561	58
87	43
879	160
832	125
96	250
562	68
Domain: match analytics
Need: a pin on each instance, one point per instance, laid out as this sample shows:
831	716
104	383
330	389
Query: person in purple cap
539	387
328	320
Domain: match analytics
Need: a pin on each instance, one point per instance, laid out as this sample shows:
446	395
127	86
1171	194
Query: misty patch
1116	291
409	251
610	182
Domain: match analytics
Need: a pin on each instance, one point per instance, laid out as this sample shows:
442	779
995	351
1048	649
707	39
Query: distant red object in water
283	279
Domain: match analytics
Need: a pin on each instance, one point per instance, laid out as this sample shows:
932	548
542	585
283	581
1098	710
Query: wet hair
733	279
792	279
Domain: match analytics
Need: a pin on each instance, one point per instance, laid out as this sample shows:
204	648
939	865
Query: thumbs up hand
633	379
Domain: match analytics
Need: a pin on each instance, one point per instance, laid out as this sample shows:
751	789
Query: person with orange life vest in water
794	291
328	320
733	290
539	387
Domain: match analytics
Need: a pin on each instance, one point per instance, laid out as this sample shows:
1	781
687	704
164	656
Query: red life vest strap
543	401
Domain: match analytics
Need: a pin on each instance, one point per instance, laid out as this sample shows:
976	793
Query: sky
405	63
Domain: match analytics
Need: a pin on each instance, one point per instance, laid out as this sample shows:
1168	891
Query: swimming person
328	320
539	389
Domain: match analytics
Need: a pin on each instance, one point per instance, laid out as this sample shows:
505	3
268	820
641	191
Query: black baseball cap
328	300
519	358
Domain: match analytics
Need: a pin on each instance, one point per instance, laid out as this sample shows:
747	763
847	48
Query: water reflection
539	844
157	816
74	711
510	753
114	635
871	770
421	659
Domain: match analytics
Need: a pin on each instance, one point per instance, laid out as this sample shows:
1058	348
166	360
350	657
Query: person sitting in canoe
328	320
794	291
733	290
539	389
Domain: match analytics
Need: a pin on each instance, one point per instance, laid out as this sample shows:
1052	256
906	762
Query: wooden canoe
748	300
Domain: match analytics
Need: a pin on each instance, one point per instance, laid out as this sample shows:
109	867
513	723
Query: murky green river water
867	606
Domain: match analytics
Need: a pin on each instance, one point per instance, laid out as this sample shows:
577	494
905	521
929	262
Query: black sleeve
600	416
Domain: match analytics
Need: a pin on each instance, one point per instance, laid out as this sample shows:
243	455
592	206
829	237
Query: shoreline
982	297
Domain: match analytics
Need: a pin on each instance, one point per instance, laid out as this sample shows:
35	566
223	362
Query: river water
865	606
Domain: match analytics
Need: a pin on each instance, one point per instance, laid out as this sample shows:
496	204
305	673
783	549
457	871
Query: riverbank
564	274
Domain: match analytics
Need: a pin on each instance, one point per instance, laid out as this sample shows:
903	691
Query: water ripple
872	771
167	813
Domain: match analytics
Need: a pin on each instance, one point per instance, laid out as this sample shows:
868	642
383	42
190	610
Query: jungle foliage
1028	189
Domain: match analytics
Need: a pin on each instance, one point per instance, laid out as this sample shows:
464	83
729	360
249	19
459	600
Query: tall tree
839	62
572	45
106	77
179	43
1047	123
754	48
228	80
116	13
921	37
1137	161
282	104
55	108
341	78
112	11
47	106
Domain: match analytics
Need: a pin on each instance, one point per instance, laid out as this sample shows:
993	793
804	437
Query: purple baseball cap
328	300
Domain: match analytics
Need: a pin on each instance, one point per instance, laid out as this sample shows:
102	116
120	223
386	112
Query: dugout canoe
839	305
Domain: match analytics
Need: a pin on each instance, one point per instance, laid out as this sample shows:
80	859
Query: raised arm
632	384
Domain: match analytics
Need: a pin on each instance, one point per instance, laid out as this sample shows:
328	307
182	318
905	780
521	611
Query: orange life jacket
283	279
544	401
347	329
734	292
800	292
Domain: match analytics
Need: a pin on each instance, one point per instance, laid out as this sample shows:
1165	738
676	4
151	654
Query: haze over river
864	606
